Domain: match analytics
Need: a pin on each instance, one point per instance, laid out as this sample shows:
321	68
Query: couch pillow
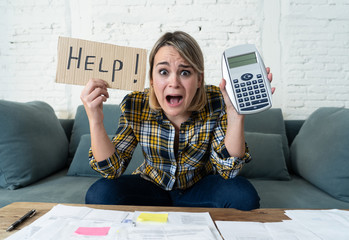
81	125
268	161
80	165
320	151
33	144
270	121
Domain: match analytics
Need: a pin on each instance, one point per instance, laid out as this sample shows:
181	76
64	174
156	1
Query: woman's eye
185	73
163	72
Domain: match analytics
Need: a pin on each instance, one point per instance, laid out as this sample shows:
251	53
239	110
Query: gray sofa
296	163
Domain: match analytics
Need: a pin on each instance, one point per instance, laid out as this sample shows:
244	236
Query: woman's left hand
235	138
229	105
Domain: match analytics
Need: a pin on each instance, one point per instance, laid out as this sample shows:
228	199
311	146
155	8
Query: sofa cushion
33	144
295	193
81	125
80	165
271	122
268	161
320	151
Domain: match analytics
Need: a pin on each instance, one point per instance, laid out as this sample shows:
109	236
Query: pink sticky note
93	231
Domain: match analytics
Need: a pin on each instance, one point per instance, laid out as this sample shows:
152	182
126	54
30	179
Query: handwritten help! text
79	60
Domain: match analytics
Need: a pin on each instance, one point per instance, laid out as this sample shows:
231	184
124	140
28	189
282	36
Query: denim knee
243	195
96	194
217	192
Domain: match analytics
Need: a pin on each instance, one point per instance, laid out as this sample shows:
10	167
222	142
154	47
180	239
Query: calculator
247	85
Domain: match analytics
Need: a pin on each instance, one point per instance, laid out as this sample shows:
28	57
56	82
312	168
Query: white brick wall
305	42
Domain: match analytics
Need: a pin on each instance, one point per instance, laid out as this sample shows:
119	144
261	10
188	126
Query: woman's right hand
92	96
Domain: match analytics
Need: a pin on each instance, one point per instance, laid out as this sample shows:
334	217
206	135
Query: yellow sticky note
152	217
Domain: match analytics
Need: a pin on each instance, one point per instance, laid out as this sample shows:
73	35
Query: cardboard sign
79	60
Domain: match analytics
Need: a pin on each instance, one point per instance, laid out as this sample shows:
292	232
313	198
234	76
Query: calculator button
259	101
259	75
238	90
251	92
260	80
254	107
235	81
247	76
236	86
254	81
248	83
245	94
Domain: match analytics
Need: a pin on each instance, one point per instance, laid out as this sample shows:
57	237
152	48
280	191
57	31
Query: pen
22	219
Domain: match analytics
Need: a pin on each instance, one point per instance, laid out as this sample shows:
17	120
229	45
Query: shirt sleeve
125	143
227	166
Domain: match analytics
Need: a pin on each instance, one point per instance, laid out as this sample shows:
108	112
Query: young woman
191	137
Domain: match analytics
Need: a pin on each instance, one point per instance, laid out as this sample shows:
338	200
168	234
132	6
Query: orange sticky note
93	231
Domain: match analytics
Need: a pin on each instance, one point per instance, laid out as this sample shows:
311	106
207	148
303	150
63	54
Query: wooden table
10	213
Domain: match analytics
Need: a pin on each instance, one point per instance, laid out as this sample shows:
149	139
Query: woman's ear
200	80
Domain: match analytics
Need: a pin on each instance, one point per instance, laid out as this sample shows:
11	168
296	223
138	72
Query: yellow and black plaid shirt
201	148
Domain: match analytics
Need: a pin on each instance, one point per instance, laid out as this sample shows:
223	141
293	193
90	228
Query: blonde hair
190	50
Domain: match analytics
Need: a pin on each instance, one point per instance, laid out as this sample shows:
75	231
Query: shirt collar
160	117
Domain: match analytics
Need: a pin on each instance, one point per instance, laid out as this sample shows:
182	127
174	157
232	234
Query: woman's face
175	83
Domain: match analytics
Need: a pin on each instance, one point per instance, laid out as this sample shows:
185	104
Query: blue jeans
212	191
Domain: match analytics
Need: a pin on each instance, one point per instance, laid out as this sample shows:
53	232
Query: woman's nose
174	80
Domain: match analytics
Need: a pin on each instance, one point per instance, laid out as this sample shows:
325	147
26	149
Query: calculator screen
242	60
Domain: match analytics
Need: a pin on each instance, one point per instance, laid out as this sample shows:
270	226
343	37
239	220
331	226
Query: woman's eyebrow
163	63
180	65
185	66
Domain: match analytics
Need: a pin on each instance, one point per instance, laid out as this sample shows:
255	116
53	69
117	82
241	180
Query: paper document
170	232
243	230
326	224
289	230
304	225
70	223
62	222
184	219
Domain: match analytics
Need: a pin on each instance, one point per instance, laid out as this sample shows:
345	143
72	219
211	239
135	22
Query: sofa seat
57	188
294	193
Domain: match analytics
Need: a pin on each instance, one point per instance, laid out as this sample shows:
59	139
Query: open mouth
174	100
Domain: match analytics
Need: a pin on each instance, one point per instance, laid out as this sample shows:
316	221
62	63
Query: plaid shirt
201	149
